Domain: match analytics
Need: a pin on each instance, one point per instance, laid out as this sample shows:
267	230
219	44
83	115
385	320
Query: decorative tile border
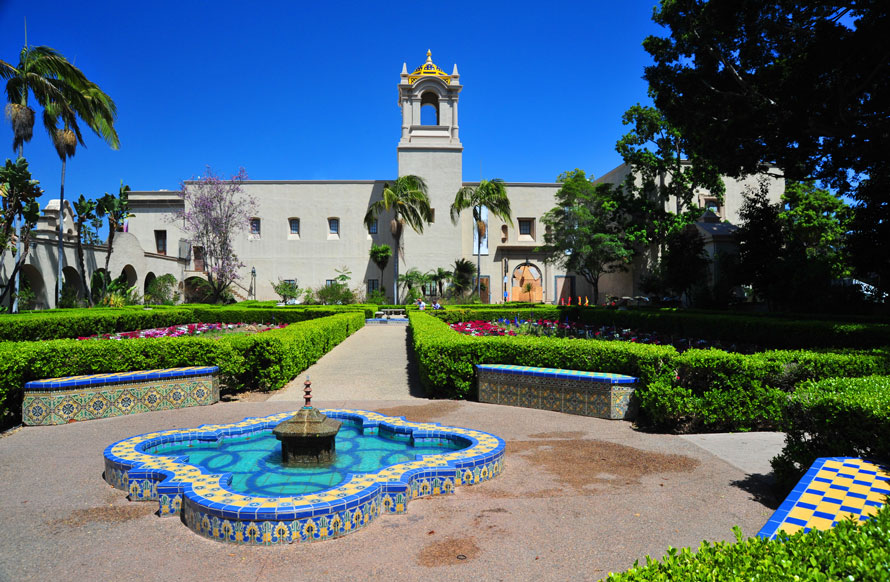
211	509
834	489
61	400
570	391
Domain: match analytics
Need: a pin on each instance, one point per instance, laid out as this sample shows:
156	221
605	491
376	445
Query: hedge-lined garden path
375	363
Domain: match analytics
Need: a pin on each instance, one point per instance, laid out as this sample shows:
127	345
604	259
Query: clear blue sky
307	90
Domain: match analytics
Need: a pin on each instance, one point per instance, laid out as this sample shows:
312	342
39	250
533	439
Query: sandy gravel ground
579	497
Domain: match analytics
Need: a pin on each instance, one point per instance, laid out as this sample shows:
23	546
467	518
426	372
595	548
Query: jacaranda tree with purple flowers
215	212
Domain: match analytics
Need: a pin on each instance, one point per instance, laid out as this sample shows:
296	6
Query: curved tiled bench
834	489
61	400
571	391
211	509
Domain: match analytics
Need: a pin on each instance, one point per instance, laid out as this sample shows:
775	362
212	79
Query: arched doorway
32	291
72	288
196	290
527	284
128	273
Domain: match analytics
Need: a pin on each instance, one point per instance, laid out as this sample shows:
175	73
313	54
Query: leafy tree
86	210
409	202
586	229
337	292
215	211
791	251
411	279
462	276
287	290
162	290
380	255
685	263
19	194
116	209
760	242
663	167
487	194
800	84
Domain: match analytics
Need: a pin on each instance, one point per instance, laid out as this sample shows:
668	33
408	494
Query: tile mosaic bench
571	391
61	400
835	488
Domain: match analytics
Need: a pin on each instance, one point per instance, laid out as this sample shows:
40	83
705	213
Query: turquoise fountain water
255	460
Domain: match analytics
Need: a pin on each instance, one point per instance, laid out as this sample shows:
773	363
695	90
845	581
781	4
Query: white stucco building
305	230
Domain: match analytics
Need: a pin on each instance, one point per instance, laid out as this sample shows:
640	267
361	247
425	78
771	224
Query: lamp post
253	282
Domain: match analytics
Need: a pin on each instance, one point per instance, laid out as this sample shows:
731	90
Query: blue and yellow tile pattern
61	400
211	509
834	489
571	391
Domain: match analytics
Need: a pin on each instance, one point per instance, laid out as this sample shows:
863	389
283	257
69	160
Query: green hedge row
446	358
73	323
765	332
838	417
698	390
265	360
846	552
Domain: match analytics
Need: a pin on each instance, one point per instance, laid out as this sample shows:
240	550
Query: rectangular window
198	258
334	226
373	285
526	228
294	225
161	242
372	228
329	282
254	226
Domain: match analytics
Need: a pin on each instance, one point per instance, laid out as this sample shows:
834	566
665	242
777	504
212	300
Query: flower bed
553	328
191	329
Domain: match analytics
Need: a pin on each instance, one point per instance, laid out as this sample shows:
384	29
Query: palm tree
407	198
58	84
65	139
117	209
380	255
462	276
439	276
86	210
489	194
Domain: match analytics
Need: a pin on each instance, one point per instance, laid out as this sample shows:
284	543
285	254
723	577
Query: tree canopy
587	229
802	84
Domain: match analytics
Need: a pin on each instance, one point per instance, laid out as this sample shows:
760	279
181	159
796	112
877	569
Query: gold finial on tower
429	56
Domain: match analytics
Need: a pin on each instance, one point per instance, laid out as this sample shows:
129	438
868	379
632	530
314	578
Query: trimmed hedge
698	390
838	417
846	552
265	360
446	357
73	323
762	331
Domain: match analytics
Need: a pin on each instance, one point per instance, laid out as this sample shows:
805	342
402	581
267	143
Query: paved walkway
374	363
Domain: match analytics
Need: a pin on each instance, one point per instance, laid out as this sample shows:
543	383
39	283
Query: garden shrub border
760	330
265	360
849	551
836	417
698	390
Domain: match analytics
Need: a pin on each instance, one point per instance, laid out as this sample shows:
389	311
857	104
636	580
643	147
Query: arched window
429	109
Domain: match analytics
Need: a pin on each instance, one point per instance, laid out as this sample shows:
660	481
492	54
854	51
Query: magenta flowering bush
554	328
190	329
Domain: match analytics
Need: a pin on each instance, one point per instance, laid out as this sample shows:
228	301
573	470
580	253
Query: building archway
527	284
32	290
72	288
195	290
129	274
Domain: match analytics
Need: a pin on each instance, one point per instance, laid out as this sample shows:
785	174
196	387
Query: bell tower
430	147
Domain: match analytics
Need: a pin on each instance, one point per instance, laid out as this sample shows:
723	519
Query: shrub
162	291
836	417
265	361
849	551
446	358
